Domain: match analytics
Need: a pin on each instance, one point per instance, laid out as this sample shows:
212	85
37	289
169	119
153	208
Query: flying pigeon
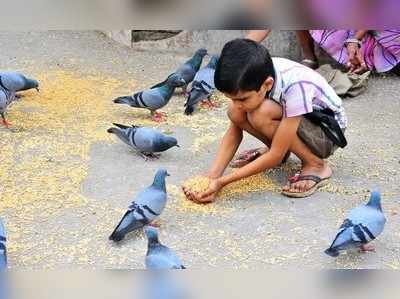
153	99
3	250
147	206
159	256
363	224
147	140
189	69
202	86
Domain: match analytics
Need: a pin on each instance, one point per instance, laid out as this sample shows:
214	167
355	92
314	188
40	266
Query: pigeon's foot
209	104
367	247
149	156
159	116
6	123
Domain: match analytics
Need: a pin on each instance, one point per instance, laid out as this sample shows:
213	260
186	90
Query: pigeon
155	98
10	83
6	98
363	224
147	140
159	256
14	81
147	206
202	86
3	250
189	69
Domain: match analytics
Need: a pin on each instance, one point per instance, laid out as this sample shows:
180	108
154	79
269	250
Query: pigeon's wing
12	81
130	221
344	237
153	99
369	220
144	139
152	202
206	77
125	135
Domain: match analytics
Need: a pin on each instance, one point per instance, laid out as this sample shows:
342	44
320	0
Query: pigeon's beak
37	88
178	145
168	174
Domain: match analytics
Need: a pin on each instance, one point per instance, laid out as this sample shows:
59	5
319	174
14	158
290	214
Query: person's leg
307	45
265	124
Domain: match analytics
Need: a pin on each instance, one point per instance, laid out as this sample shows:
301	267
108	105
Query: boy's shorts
315	139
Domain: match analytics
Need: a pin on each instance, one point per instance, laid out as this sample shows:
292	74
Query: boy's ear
268	83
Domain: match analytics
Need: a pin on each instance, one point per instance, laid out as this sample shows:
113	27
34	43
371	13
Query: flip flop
297	178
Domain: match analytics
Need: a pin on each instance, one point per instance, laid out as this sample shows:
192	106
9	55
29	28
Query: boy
272	100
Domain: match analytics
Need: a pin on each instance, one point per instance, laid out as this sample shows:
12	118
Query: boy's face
251	100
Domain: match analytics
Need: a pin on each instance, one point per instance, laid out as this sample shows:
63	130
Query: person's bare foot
322	171
248	156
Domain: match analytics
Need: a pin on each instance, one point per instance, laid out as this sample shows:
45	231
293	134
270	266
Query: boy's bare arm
258	35
281	143
227	149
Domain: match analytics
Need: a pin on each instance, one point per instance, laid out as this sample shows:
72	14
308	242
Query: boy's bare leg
263	123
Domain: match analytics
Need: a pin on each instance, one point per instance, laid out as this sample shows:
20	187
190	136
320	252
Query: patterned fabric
301	90
381	49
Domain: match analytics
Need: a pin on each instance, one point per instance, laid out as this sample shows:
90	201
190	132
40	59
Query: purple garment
381	49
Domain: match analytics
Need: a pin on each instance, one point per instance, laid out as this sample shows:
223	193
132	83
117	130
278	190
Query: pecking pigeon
189	69
202	86
159	256
363	224
147	140
14	81
153	99
147	206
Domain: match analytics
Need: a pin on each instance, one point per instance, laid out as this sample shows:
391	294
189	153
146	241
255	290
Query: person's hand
207	196
356	63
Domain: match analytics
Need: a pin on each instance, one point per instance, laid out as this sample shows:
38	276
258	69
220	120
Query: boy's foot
248	156
308	181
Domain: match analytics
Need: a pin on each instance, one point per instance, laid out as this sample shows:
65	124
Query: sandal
297	178
312	64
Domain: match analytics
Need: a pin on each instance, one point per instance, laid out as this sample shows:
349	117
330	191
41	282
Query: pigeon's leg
185	92
367	247
4	121
158	116
156	223
209	103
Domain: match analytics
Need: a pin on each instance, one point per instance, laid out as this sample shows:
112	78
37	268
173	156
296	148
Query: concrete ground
65	183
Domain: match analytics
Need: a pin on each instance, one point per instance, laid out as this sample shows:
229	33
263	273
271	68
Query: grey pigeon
363	224
14	81
203	86
159	256
147	206
6	98
153	99
3	250
189	69
147	140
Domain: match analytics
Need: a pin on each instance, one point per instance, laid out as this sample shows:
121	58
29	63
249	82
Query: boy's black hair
244	65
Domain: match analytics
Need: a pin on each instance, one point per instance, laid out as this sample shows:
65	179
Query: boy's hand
207	196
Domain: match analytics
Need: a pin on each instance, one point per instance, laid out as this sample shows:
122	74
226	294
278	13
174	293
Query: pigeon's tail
161	83
126	100
332	252
116	236
113	130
